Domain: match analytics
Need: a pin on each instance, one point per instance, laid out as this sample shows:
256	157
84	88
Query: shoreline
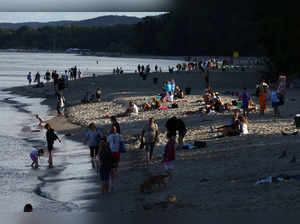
243	159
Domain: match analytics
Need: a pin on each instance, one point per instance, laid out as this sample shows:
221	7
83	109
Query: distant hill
99	21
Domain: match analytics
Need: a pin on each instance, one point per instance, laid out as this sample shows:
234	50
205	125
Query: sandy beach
220	177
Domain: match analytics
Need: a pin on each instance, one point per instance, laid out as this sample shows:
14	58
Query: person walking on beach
106	164
29	78
51	137
150	133
169	155
275	102
115	143
60	105
37	78
92	138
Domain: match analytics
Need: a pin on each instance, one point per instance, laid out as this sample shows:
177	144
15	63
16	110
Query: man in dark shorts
51	137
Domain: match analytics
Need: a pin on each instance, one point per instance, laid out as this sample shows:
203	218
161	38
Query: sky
19	17
85	5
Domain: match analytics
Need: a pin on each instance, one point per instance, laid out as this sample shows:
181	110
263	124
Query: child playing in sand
169	154
34	155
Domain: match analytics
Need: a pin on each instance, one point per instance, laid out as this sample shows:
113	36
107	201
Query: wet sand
220	177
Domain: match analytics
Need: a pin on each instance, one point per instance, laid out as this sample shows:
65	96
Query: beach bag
200	144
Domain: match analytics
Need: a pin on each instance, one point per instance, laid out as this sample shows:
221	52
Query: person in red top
169	154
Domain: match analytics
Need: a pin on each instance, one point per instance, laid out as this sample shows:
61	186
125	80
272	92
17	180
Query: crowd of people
106	146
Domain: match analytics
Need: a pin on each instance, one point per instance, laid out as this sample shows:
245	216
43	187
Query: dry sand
220	177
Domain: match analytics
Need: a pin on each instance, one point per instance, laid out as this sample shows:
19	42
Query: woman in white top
244	126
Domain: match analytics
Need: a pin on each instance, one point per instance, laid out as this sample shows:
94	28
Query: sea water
72	184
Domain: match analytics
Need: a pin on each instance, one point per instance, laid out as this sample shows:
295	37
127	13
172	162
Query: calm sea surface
64	188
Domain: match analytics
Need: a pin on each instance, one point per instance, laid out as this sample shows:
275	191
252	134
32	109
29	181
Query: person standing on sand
275	102
106	164
245	100
206	78
114	123
169	155
262	101
92	138
37	78
79	74
150	132
29	78
51	137
115	143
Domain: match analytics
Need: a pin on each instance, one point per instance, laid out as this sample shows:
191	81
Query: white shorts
169	165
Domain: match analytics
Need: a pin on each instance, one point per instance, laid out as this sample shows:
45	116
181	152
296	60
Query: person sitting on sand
146	106
131	110
155	105
93	98
179	93
230	130
98	94
28	208
244	126
85	98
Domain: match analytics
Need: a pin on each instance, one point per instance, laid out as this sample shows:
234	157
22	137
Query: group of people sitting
213	102
93	98
238	126
154	105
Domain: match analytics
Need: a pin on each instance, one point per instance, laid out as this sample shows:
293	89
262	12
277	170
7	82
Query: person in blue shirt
275	101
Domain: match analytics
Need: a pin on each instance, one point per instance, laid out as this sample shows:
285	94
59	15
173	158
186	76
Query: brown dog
152	181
